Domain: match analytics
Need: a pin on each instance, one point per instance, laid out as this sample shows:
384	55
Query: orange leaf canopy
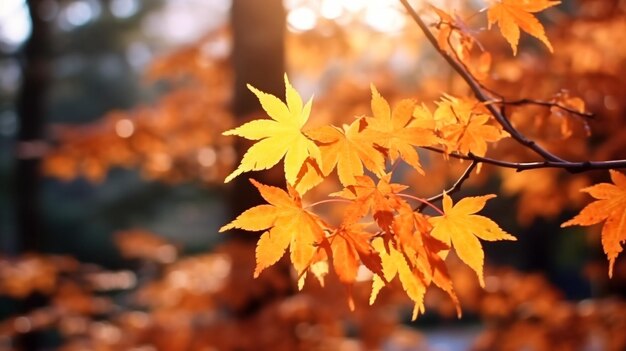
461	228
609	207
290	226
513	15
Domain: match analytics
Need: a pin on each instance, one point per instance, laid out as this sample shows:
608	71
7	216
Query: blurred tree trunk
258	59
30	108
31	111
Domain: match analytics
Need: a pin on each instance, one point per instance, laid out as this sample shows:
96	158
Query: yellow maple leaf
398	131
348	150
290	226
281	136
511	15
395	264
609	207
461	228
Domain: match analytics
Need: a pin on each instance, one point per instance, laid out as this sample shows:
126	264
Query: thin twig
456	187
423	202
527	101
572	167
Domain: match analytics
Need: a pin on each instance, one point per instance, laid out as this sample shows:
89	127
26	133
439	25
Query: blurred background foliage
134	95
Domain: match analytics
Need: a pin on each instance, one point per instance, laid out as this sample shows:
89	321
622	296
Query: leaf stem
424	202
455	187
327	201
527	101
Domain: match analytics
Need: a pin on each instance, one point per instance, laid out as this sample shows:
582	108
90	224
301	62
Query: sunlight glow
124	8
331	9
185	21
379	15
15	23
302	19
124	128
384	18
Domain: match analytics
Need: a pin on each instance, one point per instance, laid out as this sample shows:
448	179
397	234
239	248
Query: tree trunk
258	59
30	106
31	111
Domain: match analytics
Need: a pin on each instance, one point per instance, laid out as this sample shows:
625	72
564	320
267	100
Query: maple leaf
395	264
281	136
290	226
380	199
511	15
421	250
609	207
348	149
350	245
440	275
309	176
454	34
461	228
463	126
398	131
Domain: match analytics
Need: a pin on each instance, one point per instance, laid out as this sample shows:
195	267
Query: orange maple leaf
461	228
421	250
397	130
350	245
511	15
290	226
463	126
348	150
454	34
381	200
609	207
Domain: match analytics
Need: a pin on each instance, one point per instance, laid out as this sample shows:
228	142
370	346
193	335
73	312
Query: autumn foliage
414	245
367	169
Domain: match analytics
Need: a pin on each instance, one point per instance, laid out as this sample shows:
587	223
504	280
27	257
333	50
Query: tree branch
550	160
456	187
478	91
572	167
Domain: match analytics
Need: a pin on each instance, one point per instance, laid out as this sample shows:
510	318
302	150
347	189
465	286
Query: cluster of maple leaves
400	241
384	228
